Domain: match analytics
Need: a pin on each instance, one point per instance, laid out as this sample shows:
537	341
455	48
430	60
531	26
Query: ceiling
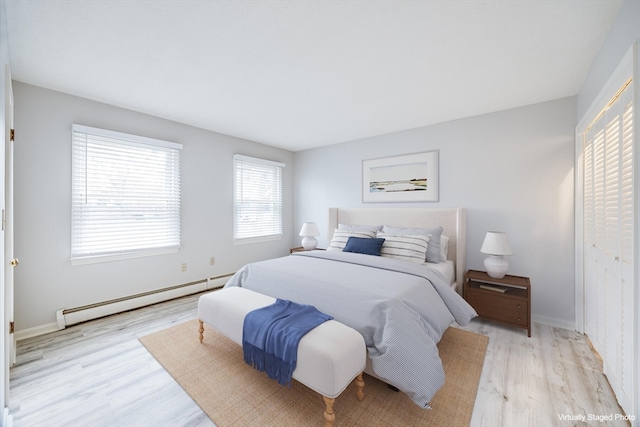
304	74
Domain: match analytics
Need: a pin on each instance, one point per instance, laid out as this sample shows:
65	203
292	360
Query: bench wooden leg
359	387
201	331
329	416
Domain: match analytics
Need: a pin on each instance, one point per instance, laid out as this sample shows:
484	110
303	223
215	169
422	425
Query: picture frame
405	178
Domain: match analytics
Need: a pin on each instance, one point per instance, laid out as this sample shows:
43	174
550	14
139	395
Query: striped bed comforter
400	308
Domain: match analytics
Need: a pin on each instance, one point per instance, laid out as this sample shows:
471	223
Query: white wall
624	32
46	281
512	170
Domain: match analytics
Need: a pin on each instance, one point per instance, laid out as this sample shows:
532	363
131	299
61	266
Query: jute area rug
232	393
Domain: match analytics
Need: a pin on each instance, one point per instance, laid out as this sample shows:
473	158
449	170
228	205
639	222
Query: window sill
249	240
122	256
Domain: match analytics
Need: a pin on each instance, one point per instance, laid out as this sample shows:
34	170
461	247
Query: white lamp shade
308	231
496	243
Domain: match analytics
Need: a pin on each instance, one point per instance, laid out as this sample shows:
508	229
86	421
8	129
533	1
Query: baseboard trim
36	331
552	321
7	420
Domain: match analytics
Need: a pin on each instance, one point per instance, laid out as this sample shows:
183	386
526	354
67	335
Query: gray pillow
433	250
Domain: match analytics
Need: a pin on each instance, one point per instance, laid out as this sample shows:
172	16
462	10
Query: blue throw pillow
362	245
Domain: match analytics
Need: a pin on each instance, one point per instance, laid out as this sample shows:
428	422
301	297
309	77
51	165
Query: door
7	226
609	231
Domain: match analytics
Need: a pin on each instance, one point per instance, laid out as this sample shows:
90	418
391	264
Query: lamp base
309	243
496	266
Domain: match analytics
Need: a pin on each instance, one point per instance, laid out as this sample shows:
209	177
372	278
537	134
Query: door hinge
12	135
12	327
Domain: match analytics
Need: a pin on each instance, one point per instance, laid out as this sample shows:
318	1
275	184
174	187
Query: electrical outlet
183	267
212	260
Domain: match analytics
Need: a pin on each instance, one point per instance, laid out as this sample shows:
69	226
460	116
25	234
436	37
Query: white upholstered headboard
452	220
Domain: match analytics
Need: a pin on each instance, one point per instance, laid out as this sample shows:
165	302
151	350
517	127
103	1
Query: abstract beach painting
406	178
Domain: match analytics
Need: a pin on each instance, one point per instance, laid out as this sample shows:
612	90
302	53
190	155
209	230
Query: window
257	203
125	199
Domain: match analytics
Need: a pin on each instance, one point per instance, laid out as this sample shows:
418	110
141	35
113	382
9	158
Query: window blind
125	195
257	199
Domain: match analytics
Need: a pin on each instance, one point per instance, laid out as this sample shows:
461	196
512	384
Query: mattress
447	269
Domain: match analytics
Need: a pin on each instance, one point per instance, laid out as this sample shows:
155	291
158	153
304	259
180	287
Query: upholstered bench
330	356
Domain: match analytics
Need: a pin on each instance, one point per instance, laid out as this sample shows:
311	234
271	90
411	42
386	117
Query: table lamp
309	230
496	246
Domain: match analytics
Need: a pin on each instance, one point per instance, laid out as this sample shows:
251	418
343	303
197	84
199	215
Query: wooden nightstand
301	249
511	307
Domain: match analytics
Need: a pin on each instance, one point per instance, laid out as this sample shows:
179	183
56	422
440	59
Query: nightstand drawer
490	312
499	302
506	300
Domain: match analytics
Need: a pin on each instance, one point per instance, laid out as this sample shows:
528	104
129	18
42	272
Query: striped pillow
340	237
433	253
409	247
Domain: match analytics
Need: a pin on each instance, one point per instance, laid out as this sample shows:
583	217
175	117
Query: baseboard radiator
72	316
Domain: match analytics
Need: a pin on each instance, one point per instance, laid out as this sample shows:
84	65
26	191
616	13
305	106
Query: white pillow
407	247
433	253
340	237
354	227
444	247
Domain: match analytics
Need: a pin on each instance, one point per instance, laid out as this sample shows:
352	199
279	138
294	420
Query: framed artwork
406	178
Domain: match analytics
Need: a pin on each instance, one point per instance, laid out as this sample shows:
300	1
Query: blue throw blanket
270	336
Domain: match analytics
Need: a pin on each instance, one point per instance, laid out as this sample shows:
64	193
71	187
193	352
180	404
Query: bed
452	220
401	308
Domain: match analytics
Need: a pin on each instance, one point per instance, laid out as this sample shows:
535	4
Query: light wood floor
98	374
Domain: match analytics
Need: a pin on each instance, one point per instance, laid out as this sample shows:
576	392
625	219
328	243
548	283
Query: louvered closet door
593	265
590	294
628	289
608	243
611	247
